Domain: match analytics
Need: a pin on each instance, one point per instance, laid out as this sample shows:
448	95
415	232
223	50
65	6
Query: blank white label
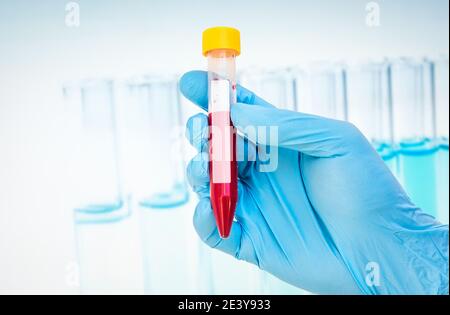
220	96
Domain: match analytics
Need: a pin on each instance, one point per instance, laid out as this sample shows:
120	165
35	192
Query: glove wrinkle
273	236
430	262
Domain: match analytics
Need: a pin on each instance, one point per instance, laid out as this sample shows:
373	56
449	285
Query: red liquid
223	171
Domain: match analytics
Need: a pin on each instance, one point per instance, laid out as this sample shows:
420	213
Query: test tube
221	45
107	255
155	163
441	84
172	257
321	90
100	187
277	87
369	107
412	107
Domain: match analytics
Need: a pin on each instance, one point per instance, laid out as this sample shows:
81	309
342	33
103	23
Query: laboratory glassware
369	107
107	255
203	265
321	90
171	254
97	148
412	107
221	45
155	162
441	88
278	87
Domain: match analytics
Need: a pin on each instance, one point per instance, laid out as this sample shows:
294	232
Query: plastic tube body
223	164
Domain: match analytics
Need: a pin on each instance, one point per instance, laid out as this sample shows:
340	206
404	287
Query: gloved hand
331	218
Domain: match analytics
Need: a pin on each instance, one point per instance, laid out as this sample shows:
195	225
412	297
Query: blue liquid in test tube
441	84
107	254
171	256
412	103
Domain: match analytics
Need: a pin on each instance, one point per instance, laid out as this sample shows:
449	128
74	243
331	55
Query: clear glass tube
412	103
235	277
155	165
277	87
96	150
321	90
99	188
200	254
427	93
171	255
105	239
109	254
441	84
441	70
411	100
369	107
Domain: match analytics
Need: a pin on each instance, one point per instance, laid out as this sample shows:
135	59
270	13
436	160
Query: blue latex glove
331	219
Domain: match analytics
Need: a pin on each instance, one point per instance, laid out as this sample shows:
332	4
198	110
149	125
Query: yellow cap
221	37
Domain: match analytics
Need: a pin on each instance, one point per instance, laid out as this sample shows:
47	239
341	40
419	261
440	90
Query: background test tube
369	107
107	254
100	188
321	90
412	105
155	164
441	84
171	255
277	87
202	262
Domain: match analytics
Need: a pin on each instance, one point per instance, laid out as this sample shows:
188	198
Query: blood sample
221	45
